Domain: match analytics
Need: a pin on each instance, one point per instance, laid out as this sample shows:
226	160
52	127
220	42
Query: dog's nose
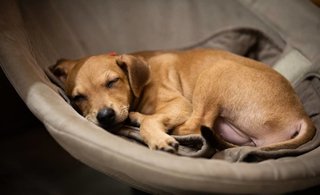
106	116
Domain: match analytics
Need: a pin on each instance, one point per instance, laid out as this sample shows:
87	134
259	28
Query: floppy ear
63	68
137	70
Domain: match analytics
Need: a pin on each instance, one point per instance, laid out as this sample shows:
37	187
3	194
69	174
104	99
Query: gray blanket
203	146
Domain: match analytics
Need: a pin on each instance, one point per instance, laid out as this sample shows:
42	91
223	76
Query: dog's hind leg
198	118
205	106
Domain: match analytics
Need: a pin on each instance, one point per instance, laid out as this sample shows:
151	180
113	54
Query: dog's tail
303	134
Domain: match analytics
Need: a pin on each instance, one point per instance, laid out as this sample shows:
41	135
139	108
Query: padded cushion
35	34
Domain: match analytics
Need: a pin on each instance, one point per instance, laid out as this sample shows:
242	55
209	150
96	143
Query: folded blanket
189	145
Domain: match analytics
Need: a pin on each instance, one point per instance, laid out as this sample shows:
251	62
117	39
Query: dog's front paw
136	117
167	143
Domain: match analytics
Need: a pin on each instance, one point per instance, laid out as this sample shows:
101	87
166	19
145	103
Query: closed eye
78	98
112	82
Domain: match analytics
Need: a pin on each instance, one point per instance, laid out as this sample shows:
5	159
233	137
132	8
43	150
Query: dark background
33	163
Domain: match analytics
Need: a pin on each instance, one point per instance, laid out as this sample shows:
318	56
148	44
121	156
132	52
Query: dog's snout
106	116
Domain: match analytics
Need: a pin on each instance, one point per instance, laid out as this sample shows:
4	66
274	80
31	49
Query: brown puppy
243	101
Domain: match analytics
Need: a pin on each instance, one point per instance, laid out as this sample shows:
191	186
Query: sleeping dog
244	102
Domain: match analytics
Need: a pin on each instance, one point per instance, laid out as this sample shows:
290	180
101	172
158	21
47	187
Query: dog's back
252	96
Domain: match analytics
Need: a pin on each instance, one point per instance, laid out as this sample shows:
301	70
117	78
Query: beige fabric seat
35	34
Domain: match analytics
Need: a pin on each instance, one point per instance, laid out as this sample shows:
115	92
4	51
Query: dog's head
103	87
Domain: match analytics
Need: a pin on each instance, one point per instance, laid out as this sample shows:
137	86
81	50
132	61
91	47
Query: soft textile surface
190	145
202	146
34	34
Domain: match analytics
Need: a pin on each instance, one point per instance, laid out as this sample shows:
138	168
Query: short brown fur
243	101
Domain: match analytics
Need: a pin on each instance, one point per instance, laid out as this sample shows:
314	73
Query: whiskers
123	113
92	117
